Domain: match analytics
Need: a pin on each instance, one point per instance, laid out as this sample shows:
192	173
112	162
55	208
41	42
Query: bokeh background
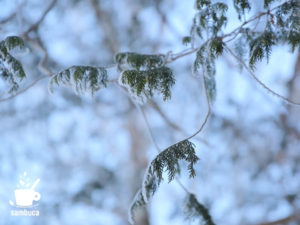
91	152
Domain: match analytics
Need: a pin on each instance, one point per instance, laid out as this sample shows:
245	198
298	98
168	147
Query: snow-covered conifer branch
81	78
11	69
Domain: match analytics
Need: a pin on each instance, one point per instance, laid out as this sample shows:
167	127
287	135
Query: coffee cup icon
25	197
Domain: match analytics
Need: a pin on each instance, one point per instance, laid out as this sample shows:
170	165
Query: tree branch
150	131
42	64
259	81
233	33
171	124
23	90
284	220
13	15
107	25
37	23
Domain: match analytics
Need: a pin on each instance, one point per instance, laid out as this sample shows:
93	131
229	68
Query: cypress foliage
11	69
209	22
131	60
186	40
144	75
205	63
194	209
137	203
282	26
287	22
81	78
267	3
167	160
149	81
261	46
209	19
241	6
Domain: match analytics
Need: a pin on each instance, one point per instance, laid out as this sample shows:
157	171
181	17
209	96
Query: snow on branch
146	83
143	75
81	79
11	69
131	60
167	160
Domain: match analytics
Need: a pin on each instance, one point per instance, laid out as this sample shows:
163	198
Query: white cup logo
25	194
25	197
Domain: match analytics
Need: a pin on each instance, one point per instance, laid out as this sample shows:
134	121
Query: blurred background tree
91	153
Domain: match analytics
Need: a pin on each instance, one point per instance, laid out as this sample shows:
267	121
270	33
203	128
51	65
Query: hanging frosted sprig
81	79
11	69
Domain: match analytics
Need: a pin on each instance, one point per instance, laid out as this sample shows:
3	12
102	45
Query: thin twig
7	19
182	185
37	23
42	64
149	131
148	127
23	90
172	124
259	81
104	20
235	33
205	119
284	220
156	145
13	15
253	19
189	137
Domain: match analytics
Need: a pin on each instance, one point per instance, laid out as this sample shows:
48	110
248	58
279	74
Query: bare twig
13	15
284	220
189	137
148	127
172	124
42	64
149	131
23	90
259	81
233	33
38	43
104	20
205	119
7	19
35	26
237	30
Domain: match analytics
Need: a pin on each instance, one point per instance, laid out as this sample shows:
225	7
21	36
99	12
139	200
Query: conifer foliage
207	24
11	69
81	78
282	26
194	209
144	75
167	160
131	60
